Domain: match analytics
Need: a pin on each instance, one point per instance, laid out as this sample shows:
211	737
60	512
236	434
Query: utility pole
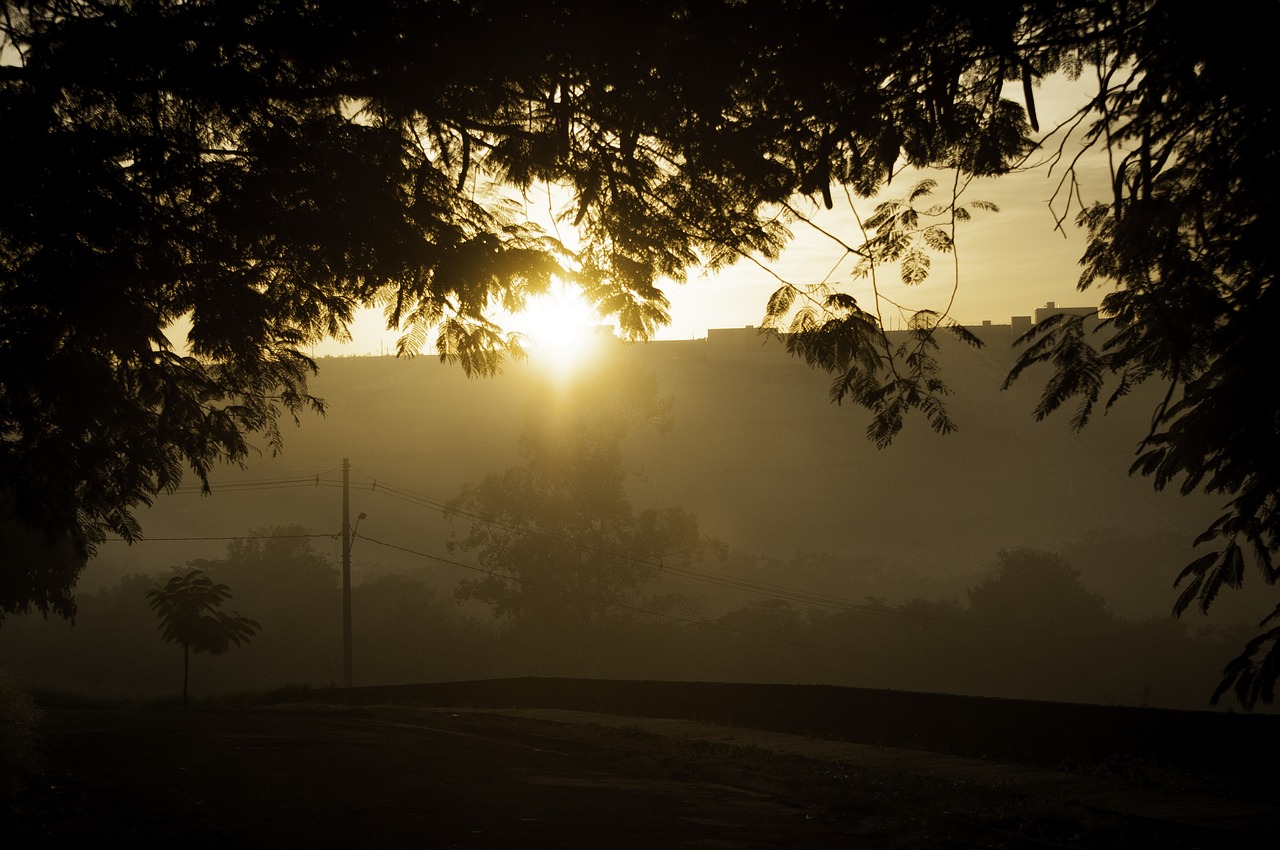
346	574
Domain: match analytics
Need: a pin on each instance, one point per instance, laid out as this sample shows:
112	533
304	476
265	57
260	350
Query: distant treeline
1028	629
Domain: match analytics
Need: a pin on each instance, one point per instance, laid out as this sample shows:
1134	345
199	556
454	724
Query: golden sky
1010	262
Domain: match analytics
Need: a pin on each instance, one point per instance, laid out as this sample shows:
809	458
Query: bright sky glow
1010	262
553	319
560	327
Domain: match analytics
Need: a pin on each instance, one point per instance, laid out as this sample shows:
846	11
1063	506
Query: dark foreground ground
396	776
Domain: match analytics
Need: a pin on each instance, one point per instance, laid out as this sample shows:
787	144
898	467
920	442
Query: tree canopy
1037	589
252	171
187	607
562	548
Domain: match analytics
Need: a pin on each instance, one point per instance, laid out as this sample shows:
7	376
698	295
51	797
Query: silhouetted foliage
259	169
564	551
830	331
1039	589
277	568
409	631
187	607
281	575
1186	241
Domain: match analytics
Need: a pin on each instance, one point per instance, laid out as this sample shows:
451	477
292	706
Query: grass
896	806
19	735
54	700
1146	772
909	809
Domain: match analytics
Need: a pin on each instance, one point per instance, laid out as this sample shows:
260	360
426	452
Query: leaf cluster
248	174
252	172
888	373
1186	242
187	607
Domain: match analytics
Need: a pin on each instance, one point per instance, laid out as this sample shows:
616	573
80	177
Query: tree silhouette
1039	589
562	547
259	169
187	607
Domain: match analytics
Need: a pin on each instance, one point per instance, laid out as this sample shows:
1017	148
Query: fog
1011	558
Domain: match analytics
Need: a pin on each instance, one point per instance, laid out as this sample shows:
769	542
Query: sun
561	327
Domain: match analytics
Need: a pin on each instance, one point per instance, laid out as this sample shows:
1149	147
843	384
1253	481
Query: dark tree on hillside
255	170
563	549
187	607
1040	590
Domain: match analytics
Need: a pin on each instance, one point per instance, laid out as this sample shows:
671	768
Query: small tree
187	607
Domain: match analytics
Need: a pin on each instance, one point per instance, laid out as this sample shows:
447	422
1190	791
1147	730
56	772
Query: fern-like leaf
915	267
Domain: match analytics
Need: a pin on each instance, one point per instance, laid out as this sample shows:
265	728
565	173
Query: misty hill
754	448
928	566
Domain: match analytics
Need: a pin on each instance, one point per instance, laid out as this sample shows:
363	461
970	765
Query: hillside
754	448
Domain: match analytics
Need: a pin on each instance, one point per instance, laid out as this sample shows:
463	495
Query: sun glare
561	327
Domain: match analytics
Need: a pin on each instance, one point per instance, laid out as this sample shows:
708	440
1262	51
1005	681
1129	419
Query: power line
256	484
227	537
421	500
417	499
